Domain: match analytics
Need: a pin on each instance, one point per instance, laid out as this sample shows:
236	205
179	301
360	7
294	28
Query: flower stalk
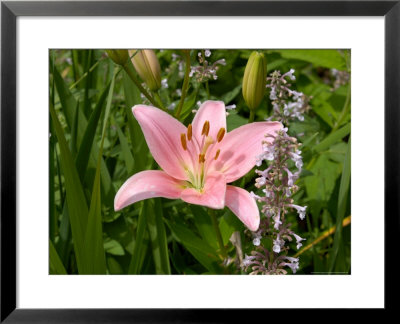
185	85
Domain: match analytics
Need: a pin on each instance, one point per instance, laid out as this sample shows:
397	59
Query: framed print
189	156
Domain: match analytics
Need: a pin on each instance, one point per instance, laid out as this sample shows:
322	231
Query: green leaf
125	152
94	230
333	138
94	246
139	146
229	96
328	58
113	247
69	104
113	266
158	237
85	148
342	204
309	140
56	265
78	210
234	121
188	105
197	247
141	242
228	224
326	112
320	185
204	224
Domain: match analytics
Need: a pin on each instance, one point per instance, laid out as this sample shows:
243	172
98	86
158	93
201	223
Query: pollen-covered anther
202	158
183	141
206	128
221	134
217	154
189	132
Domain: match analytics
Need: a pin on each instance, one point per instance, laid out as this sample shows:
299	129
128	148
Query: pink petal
244	206
163	136
147	184
240	148
214	112
213	194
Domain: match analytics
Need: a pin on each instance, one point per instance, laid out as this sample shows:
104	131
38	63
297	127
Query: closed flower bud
147	66
118	56
254	80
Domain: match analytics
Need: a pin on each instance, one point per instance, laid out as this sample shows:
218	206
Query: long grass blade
78	210
83	156
94	230
141	242
158	237
342	205
56	266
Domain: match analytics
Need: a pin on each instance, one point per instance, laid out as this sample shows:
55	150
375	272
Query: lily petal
163	136
243	205
212	195
147	184
215	113
240	148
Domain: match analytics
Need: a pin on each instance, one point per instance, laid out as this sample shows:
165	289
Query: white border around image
363	288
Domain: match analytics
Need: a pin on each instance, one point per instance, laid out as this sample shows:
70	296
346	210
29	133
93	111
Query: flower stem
218	232
158	98
208	91
345	109
129	70
185	83
324	235
252	115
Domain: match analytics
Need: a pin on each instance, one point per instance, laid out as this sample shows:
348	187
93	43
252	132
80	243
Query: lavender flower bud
254	80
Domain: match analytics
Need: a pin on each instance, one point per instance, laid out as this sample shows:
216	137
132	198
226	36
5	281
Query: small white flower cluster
261	262
278	185
287	104
181	64
341	78
206	71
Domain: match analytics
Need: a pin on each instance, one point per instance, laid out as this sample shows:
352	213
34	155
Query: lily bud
254	80
147	66
118	56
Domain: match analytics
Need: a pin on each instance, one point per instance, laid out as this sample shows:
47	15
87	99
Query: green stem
203	55
85	74
252	115
207	90
158	98
345	110
129	70
185	84
218	233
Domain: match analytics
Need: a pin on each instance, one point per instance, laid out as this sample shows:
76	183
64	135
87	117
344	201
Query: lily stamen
217	154
189	132
206	128
183	141
221	134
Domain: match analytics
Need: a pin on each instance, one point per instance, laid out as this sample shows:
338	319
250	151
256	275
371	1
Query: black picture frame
11	10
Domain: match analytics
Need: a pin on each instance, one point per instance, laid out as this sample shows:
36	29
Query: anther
201	158
206	128
217	154
189	132
221	134
183	141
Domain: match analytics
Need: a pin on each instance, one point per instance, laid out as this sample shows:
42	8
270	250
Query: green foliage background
96	144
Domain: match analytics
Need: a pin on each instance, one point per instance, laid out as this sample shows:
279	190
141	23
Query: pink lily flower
198	161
